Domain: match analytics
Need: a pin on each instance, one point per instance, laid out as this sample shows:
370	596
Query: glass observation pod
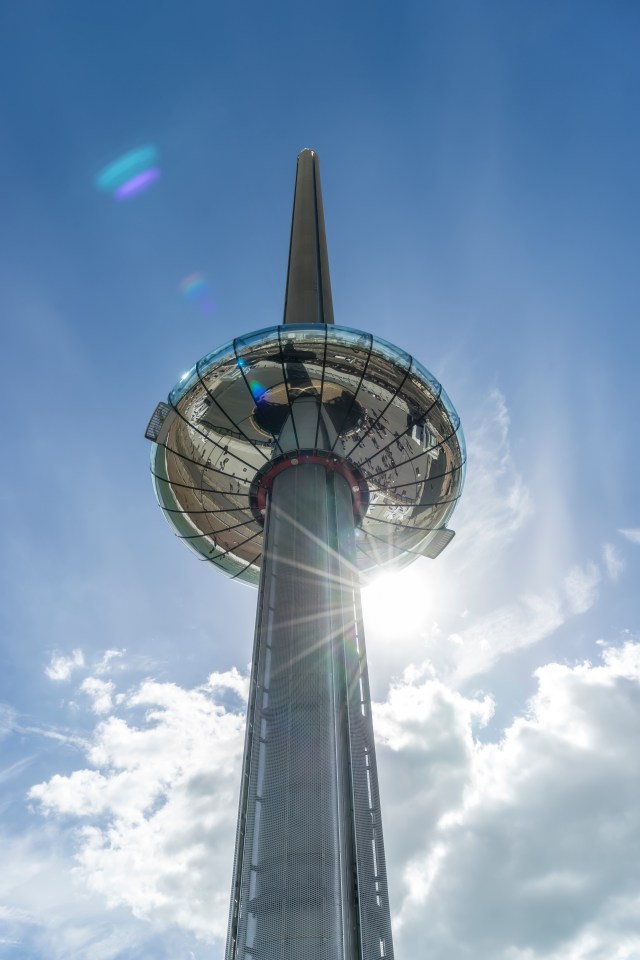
299	393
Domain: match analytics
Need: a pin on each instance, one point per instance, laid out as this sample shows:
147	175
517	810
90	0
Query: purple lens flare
195	288
138	184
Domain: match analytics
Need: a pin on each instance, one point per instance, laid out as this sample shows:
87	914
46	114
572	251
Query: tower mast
299	458
309	874
308	288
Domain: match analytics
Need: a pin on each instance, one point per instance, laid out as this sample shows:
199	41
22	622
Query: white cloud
47	912
424	733
613	562
61	667
158	804
230	680
527	848
521	849
632	534
100	691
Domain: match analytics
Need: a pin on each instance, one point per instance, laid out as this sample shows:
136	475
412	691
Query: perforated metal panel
309	874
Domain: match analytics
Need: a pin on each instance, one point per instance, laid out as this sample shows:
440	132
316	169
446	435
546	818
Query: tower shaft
309	872
263	457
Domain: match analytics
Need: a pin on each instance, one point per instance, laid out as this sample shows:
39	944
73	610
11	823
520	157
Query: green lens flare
124	168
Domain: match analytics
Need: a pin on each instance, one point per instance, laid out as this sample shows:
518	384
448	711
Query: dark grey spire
308	293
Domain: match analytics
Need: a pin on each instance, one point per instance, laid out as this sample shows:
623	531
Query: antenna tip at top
307	152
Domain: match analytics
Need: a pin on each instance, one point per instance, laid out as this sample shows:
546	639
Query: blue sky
479	167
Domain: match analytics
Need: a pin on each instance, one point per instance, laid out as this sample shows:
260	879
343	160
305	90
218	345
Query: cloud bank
527	848
524	849
156	805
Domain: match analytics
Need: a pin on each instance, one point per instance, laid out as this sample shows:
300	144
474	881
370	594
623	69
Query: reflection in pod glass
289	394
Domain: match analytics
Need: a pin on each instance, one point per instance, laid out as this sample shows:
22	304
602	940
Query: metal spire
308	292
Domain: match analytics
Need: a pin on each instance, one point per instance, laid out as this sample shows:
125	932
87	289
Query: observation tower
302	458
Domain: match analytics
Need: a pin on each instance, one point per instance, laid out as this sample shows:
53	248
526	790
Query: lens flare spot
196	289
257	390
126	167
193	285
138	184
130	174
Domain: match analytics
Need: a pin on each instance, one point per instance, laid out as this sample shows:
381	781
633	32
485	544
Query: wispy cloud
632	534
14	769
613	562
528	619
580	587
496	501
108	661
7	719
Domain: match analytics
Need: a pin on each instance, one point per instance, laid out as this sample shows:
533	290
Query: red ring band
332	462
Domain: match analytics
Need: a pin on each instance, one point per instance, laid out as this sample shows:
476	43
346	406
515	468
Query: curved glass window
319	389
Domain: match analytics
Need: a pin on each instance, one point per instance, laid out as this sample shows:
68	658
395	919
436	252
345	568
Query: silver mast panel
308	289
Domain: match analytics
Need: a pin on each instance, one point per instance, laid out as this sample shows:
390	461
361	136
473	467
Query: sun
397	604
